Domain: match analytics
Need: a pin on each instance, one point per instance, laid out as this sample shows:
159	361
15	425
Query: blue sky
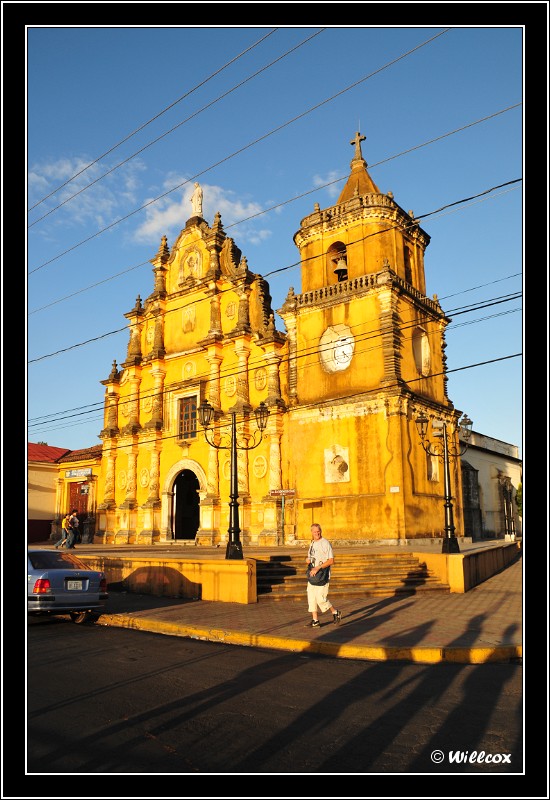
262	117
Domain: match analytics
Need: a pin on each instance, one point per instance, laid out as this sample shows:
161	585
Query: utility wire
167	437
378	164
231	288
366	336
149	121
237	152
166	133
60	421
291	200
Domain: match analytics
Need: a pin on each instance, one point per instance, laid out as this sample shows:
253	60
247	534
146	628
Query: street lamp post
445	449
234	548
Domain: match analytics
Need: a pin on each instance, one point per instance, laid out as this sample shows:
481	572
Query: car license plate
75	585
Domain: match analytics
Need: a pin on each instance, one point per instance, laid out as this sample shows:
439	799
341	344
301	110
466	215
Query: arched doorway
185	508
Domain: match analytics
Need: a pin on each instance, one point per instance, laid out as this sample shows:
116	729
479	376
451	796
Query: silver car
58	582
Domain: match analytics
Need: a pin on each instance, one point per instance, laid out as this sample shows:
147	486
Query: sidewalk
483	625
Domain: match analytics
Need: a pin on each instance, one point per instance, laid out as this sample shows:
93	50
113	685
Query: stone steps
375	575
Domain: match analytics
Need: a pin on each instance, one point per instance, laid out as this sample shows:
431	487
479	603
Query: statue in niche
188	319
189	267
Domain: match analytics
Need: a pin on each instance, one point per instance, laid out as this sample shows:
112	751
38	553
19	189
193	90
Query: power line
167	437
87	288
166	133
237	152
378	164
149	121
280	269
304	352
299	354
291	200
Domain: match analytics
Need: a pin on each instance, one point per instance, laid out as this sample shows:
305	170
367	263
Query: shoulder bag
320	578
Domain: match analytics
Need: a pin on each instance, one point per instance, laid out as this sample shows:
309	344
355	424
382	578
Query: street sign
282	492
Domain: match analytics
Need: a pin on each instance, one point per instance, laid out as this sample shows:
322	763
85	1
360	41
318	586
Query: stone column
214	360
112	390
156	420
154	473
109	491
131	484
288	313
274	459
273	379
158	350
213	481
243	323
112	411
242	458
390	327
214	242
215	311
243	396
133	405
290	322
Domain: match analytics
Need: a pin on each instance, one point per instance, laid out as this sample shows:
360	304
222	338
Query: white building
491	475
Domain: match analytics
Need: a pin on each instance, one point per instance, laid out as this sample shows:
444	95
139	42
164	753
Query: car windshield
55	560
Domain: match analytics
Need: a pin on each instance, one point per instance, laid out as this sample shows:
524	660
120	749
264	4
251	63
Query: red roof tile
82	455
43	452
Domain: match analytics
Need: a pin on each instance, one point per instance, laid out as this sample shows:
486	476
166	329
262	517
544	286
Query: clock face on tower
336	347
343	350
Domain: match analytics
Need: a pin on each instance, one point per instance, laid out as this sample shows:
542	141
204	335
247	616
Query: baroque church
362	356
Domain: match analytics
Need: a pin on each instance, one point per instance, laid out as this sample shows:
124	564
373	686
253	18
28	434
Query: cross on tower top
357	142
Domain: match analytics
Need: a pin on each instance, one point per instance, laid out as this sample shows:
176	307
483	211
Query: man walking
71	531
65	526
320	555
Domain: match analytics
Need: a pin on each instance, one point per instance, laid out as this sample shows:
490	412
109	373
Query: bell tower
366	356
362	321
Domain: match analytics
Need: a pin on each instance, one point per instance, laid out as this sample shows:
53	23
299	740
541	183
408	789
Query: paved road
103	700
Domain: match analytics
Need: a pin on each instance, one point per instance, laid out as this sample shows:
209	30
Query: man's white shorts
317	597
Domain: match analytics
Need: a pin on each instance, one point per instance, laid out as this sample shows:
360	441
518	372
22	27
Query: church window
337	263
187	418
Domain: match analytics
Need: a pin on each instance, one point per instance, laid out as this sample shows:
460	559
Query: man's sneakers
336	617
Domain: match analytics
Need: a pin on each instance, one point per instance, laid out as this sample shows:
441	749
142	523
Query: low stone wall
463	571
227	581
234	581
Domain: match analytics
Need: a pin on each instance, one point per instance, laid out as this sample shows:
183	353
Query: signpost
282	493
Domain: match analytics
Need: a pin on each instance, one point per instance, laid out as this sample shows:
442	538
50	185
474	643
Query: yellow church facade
361	357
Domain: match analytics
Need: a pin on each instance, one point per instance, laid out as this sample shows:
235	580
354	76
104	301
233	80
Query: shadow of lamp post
444	447
234	548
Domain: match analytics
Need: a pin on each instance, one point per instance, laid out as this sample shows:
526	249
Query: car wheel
79	616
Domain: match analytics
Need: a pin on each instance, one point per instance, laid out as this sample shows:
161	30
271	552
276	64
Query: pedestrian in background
75	522
320	555
65	525
71	530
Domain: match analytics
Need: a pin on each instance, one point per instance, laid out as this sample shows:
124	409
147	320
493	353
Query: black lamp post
206	414
445	449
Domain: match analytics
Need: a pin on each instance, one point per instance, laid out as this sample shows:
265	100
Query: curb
417	655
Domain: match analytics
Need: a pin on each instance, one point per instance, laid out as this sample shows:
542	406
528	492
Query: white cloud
118	194
168	215
71	202
335	188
